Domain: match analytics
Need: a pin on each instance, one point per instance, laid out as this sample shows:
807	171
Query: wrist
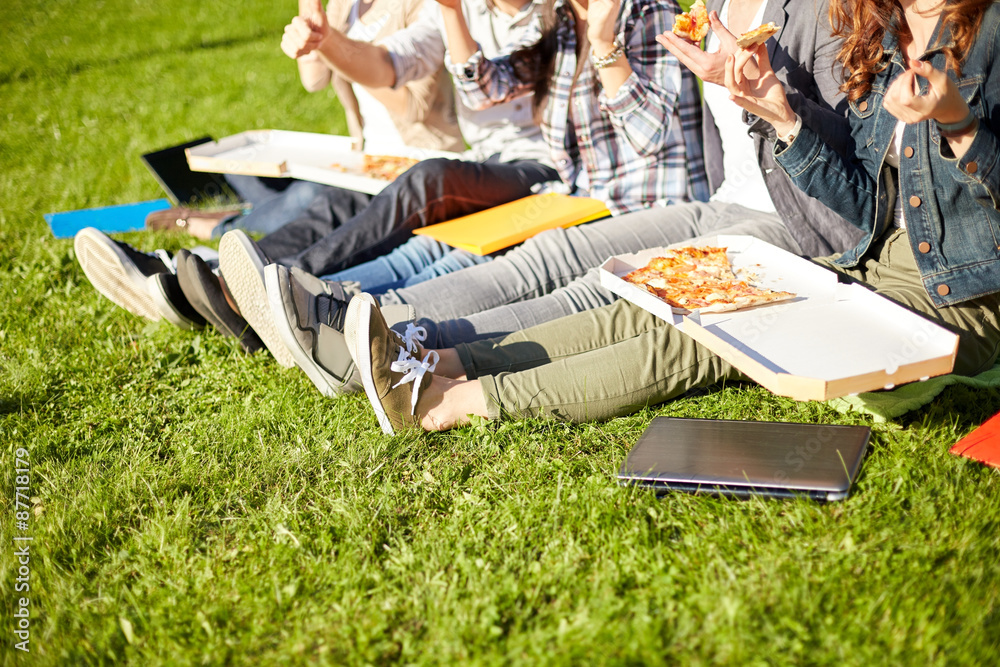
787	131
958	127
785	121
602	56
602	48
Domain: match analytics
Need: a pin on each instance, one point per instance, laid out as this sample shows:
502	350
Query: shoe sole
166	309
244	275
191	276
113	274
363	359
275	290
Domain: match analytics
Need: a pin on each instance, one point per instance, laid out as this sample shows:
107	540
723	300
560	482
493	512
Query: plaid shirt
640	148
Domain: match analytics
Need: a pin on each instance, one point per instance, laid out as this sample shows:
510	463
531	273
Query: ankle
450	364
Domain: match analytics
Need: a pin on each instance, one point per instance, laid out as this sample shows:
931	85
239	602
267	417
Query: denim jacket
950	205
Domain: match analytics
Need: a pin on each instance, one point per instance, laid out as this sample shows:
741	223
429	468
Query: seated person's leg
590	366
432	191
547	277
456	260
397	268
327	211
274	208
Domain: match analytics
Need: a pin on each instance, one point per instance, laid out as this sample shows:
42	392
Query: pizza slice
386	167
758	35
382	167
700	279
693	24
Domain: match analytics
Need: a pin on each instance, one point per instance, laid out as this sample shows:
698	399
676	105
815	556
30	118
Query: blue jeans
419	259
275	201
341	229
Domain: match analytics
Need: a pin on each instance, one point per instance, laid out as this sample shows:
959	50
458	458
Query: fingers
727	38
742	58
299	38
683	50
905	87
733	84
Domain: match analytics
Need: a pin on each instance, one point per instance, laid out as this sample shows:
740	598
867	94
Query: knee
426	172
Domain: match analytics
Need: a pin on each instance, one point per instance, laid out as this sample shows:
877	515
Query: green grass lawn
194	505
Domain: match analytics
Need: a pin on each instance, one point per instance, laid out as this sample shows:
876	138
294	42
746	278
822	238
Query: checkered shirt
638	149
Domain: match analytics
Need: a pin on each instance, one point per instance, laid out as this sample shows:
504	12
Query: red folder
983	444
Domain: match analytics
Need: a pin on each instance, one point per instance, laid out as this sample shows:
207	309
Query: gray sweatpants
554	274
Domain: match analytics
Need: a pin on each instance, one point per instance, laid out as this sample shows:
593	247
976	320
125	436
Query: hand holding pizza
763	95
709	67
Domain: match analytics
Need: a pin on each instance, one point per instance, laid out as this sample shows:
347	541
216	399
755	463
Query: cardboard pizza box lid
832	340
323	158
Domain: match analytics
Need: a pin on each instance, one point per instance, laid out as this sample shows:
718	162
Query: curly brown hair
863	24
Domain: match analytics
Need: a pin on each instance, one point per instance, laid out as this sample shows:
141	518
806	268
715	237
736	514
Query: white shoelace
413	370
413	336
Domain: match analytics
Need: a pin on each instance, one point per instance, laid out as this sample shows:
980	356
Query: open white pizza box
831	340
323	158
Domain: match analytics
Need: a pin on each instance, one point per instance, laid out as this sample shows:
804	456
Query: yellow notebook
509	224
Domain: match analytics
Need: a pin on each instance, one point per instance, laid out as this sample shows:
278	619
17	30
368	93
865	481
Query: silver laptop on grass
747	458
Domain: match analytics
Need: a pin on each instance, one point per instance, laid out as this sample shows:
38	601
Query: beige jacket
429	121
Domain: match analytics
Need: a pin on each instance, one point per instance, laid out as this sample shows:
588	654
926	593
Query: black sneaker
165	289
203	291
118	271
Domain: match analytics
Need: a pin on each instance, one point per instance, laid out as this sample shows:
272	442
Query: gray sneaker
118	271
242	265
308	314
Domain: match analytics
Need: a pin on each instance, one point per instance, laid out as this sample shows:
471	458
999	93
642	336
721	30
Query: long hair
863	24
535	64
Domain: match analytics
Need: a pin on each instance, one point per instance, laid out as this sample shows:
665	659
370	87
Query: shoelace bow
413	371
413	336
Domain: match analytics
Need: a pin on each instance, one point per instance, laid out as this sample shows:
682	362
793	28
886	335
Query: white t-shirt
380	133
892	159
743	183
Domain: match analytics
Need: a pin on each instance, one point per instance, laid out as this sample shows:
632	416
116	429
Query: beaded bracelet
610	59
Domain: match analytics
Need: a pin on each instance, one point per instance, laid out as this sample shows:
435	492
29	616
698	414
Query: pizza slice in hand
693	24
758	35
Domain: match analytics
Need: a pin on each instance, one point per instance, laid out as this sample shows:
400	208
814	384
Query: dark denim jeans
343	228
275	201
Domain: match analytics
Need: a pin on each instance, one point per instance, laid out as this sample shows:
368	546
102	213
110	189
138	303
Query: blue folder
110	219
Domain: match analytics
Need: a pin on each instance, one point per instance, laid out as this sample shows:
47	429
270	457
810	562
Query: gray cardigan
803	55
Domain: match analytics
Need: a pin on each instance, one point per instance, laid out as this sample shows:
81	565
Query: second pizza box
831	340
323	158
